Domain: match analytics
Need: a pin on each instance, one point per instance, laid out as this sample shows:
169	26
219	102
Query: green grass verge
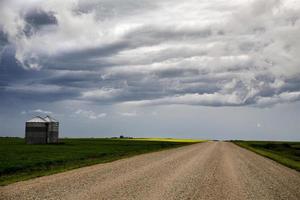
19	161
286	153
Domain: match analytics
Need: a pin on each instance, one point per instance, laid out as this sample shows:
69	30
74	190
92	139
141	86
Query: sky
218	69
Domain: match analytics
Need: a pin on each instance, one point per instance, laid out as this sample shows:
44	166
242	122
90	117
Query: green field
286	153
19	161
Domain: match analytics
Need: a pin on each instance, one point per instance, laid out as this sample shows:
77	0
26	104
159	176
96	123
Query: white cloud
215	99
23	112
40	111
281	98
258	125
101	94
129	114
90	114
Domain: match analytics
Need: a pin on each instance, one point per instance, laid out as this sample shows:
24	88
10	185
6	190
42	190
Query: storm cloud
216	53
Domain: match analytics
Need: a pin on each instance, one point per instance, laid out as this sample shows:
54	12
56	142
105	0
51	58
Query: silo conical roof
49	119
37	119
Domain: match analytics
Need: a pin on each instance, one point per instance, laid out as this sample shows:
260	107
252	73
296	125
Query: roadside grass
286	153
19	161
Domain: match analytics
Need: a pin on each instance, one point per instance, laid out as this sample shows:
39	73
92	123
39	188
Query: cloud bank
216	53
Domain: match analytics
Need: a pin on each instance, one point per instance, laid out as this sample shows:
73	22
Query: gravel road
211	170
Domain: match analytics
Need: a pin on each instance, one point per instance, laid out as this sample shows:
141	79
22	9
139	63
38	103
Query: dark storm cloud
10	69
38	18
17	83
151	35
72	78
3	39
83	59
3	43
34	93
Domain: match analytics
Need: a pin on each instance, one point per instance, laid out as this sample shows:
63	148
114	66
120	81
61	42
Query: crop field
19	161
167	140
286	153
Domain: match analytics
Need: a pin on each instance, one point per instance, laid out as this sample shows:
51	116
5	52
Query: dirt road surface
211	170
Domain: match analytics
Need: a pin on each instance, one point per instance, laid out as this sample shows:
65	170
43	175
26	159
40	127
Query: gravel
210	170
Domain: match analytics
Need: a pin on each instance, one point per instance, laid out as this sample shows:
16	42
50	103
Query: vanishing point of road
210	170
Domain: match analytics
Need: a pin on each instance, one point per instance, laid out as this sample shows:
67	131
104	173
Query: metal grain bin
52	129
41	130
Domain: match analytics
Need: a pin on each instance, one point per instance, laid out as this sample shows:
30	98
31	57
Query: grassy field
19	161
286	153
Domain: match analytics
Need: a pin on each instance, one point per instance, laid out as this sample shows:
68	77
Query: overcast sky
218	69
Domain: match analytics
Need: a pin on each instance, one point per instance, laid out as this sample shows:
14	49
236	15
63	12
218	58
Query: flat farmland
208	170
286	153
19	161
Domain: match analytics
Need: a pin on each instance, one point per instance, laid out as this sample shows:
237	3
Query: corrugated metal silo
36	131
52	129
41	130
